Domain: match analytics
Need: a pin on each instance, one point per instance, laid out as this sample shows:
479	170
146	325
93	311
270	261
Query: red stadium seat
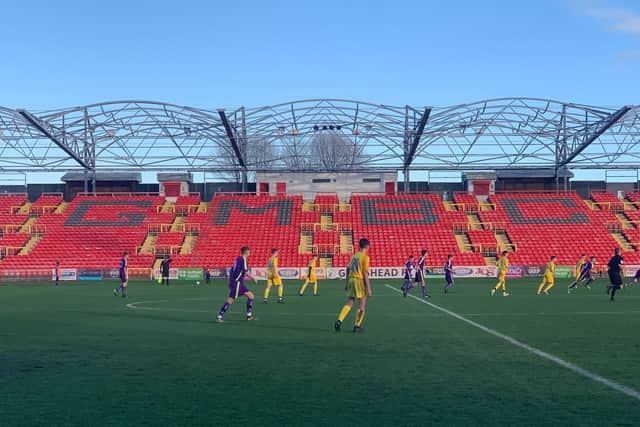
93	231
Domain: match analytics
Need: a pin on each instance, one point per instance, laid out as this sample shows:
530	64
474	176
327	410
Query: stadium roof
321	135
103	176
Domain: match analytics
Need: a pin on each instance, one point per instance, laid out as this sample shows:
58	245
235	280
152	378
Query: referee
615	273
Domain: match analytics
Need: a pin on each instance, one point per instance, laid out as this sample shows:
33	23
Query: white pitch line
137	306
543	354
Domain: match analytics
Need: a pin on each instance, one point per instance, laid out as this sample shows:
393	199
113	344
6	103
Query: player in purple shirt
420	272
585	276
448	273
124	276
409	271
237	288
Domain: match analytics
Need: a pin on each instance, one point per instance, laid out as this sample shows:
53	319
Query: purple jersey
409	269
421	262
448	269
420	269
124	265
586	269
448	275
236	277
238	271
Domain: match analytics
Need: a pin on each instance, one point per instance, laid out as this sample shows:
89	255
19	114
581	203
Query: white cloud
619	19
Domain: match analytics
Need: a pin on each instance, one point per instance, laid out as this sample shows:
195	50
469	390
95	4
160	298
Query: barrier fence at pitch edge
288	273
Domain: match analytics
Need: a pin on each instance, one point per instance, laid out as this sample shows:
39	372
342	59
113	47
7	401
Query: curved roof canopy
321	135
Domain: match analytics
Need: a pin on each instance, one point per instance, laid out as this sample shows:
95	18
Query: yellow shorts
356	288
274	281
502	275
312	278
548	279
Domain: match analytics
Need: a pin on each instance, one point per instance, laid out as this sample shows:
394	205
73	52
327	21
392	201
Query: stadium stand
93	231
539	225
14	209
262	222
466	202
406	224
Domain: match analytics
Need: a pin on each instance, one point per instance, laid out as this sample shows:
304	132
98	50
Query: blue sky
213	54
226	54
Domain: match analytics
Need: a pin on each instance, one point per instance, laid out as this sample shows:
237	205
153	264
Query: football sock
267	292
359	318
315	288
541	287
280	291
304	287
249	307
123	290
344	312
424	291
548	288
224	309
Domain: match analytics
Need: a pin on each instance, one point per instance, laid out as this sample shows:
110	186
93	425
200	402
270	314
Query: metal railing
317	226
18	228
13	195
9	251
464	227
177	228
41	210
326	249
613	206
159	250
180	209
484	248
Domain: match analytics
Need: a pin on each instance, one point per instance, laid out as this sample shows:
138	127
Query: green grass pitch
77	355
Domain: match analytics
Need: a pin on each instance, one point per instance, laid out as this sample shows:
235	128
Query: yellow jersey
359	265
272	266
503	263
579	266
550	269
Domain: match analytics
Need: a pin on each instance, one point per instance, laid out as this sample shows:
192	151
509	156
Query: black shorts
615	278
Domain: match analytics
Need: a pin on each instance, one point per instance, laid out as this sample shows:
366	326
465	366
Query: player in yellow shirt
503	266
548	280
311	277
357	286
273	277
579	265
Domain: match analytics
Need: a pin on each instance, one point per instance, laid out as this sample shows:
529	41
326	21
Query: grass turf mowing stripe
558	361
